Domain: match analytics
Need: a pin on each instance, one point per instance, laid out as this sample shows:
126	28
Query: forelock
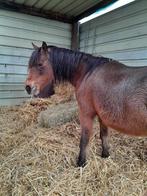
34	59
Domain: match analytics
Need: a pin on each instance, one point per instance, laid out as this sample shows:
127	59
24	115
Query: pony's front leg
86	122
104	139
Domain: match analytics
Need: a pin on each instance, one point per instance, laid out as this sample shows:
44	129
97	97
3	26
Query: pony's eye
40	68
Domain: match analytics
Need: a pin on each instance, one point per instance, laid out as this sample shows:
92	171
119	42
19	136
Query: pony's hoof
81	163
105	154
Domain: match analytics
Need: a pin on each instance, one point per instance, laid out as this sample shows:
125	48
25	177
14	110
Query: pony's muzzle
28	89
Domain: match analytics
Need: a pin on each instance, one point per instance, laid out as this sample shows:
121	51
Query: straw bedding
42	161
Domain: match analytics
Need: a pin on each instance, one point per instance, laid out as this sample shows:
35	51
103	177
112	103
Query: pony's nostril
28	89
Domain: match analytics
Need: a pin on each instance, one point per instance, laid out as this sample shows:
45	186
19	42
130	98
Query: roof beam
75	36
93	9
11	6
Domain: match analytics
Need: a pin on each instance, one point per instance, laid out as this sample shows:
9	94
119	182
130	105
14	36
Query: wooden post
75	36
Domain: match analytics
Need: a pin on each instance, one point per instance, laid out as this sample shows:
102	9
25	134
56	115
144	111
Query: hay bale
58	115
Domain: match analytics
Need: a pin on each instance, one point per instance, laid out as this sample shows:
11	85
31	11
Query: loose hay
42	161
58	115
27	113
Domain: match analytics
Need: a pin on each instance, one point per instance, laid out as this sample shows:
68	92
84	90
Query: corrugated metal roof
70	7
66	9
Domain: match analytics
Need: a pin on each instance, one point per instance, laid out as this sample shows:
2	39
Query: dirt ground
42	161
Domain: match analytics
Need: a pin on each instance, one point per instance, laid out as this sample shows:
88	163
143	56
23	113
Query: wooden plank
13	69
32	35
23	43
13	94
14	101
12	79
133	54
135	63
25	18
10	87
121	34
13	51
25	25
132	43
15	60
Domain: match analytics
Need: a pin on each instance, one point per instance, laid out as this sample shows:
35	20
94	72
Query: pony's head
40	79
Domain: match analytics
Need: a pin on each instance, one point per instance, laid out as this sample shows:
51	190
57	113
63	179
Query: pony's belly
131	126
128	131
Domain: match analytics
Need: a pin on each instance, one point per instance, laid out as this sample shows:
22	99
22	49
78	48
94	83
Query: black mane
65	62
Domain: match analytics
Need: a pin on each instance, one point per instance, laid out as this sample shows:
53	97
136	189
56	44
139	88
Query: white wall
17	32
120	34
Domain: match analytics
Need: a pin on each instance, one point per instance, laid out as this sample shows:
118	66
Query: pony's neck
72	66
66	65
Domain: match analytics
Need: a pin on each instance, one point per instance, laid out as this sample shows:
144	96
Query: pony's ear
34	46
44	46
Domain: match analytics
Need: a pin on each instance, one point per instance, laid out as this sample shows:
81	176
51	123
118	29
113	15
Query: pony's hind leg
104	139
86	122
